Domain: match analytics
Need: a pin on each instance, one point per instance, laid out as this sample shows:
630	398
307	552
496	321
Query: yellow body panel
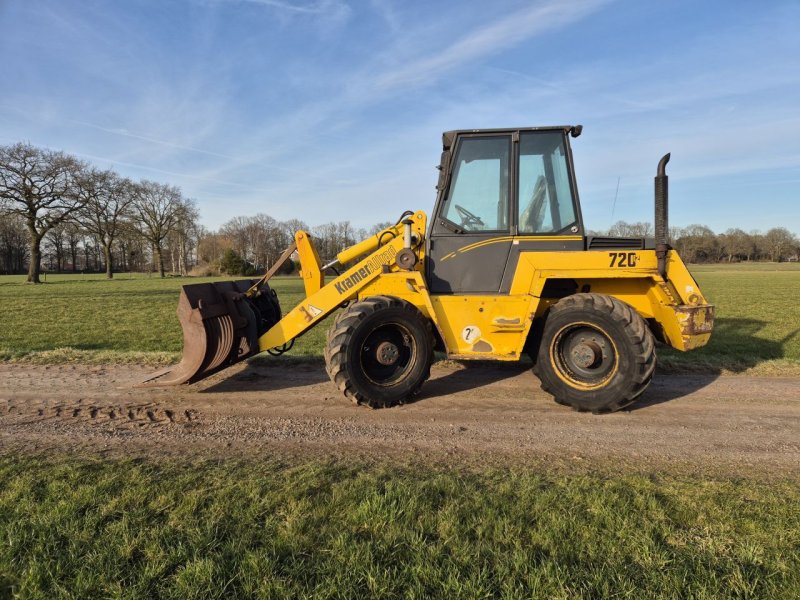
488	327
677	305
496	326
408	285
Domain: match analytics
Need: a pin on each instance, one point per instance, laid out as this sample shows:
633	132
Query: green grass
744	267
132	319
128	319
757	324
83	528
134	529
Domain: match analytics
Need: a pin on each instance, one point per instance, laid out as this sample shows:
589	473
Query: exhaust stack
662	216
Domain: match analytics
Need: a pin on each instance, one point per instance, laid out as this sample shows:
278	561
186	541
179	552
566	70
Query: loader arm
517	276
323	298
226	322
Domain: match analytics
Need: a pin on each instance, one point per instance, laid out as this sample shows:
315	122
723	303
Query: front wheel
379	351
596	353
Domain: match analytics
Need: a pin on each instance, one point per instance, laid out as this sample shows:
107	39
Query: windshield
478	196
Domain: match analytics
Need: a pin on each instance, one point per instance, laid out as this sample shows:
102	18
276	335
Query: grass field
757	319
132	318
82	528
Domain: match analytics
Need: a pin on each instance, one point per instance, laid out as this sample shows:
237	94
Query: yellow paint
369	245
310	271
683	317
454	313
345	287
640	286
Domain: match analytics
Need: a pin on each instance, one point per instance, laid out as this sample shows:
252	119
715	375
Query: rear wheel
596	353
379	351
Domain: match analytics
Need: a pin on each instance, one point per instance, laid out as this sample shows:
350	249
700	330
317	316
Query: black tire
379	351
596	354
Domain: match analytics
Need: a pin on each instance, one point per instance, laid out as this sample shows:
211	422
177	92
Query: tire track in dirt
26	411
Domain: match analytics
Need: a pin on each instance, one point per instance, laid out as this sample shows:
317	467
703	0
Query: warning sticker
470	333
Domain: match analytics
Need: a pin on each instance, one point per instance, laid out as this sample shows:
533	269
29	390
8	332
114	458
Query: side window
545	195
478	196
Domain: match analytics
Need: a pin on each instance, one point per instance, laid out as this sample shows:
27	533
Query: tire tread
638	336
340	335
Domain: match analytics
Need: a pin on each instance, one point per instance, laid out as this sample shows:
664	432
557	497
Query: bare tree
14	244
325	240
131	247
735	243
759	244
157	207
625	229
778	243
89	251
378	227
74	235
697	243
237	230
288	229
332	238
182	237
108	204
210	247
56	239
40	186
265	236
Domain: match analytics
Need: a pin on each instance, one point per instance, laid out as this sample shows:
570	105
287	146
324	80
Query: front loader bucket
221	326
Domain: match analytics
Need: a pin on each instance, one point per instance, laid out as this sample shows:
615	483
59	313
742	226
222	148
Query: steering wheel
468	219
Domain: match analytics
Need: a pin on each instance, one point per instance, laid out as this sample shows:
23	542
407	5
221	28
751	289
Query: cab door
470	236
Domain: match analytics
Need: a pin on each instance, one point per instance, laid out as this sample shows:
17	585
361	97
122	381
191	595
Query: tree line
699	244
62	214
55	201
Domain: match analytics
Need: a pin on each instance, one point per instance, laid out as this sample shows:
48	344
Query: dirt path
481	414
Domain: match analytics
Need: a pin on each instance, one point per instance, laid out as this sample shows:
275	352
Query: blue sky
333	109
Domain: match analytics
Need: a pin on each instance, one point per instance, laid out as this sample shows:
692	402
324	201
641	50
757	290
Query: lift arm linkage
322	299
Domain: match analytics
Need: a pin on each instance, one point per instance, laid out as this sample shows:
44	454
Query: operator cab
500	192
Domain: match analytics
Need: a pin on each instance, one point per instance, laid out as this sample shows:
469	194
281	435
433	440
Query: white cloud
487	40
271	104
125	133
332	13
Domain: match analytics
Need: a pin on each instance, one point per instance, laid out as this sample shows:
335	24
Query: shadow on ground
471	375
735	347
263	375
669	386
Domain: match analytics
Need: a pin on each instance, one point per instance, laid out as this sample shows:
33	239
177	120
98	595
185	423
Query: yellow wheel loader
503	269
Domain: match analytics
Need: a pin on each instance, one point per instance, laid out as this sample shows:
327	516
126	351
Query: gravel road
476	414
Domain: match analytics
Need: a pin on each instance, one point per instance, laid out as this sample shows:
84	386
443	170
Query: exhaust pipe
662	216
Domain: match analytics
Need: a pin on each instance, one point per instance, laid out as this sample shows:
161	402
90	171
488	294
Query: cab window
545	195
479	189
